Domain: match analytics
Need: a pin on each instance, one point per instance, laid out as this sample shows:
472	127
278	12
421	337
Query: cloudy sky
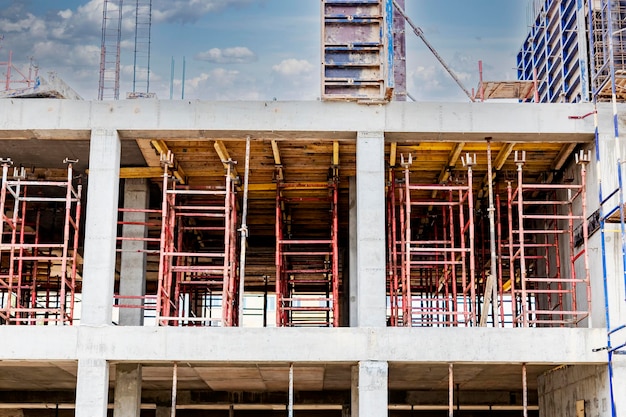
256	49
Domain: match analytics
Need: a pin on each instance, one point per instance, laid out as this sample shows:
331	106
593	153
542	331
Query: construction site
362	255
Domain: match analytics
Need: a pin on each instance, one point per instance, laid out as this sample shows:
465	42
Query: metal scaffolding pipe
244	233
174	389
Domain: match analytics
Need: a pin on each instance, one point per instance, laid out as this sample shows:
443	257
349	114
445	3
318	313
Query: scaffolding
607	77
432	251
109	81
608	46
198	280
307	258
542	288
38	266
136	234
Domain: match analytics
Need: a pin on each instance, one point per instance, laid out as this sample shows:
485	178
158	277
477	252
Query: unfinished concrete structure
311	258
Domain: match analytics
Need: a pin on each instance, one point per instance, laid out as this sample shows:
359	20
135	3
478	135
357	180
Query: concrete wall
559	390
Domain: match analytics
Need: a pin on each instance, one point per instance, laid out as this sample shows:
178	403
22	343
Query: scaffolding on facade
542	289
307	258
38	266
198	280
608	46
607	79
432	251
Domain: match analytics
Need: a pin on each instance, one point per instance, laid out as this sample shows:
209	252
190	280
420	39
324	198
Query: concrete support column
127	390
133	265
369	389
100	227
370	229
92	388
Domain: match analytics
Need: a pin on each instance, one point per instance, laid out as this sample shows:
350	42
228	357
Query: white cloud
189	11
65	14
20	25
235	55
292	66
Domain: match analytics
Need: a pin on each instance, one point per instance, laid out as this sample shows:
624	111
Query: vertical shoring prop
407	319
226	297
290	405
492	239
66	238
392	251
469	162
520	160
402	270
174	389
163	291
335	249
244	234
279	258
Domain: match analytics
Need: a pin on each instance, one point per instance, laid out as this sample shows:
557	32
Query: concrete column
353	264
127	390
133	265
92	388
370	225
369	389
100	227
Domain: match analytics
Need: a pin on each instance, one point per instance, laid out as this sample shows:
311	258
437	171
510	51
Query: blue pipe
602	217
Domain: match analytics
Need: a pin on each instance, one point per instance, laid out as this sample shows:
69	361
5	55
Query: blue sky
257	49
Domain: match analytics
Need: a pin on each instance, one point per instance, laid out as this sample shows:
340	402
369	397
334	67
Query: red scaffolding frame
37	270
151	220
431	266
198	280
548	268
307	268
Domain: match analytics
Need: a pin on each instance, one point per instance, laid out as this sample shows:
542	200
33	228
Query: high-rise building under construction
354	256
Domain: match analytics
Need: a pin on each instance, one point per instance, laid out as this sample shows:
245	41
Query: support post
133	263
369	389
370	225
92	388
101	227
127	390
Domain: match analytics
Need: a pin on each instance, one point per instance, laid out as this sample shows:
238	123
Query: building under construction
355	256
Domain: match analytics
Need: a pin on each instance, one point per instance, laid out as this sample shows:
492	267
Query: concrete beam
420	345
154	119
101	228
